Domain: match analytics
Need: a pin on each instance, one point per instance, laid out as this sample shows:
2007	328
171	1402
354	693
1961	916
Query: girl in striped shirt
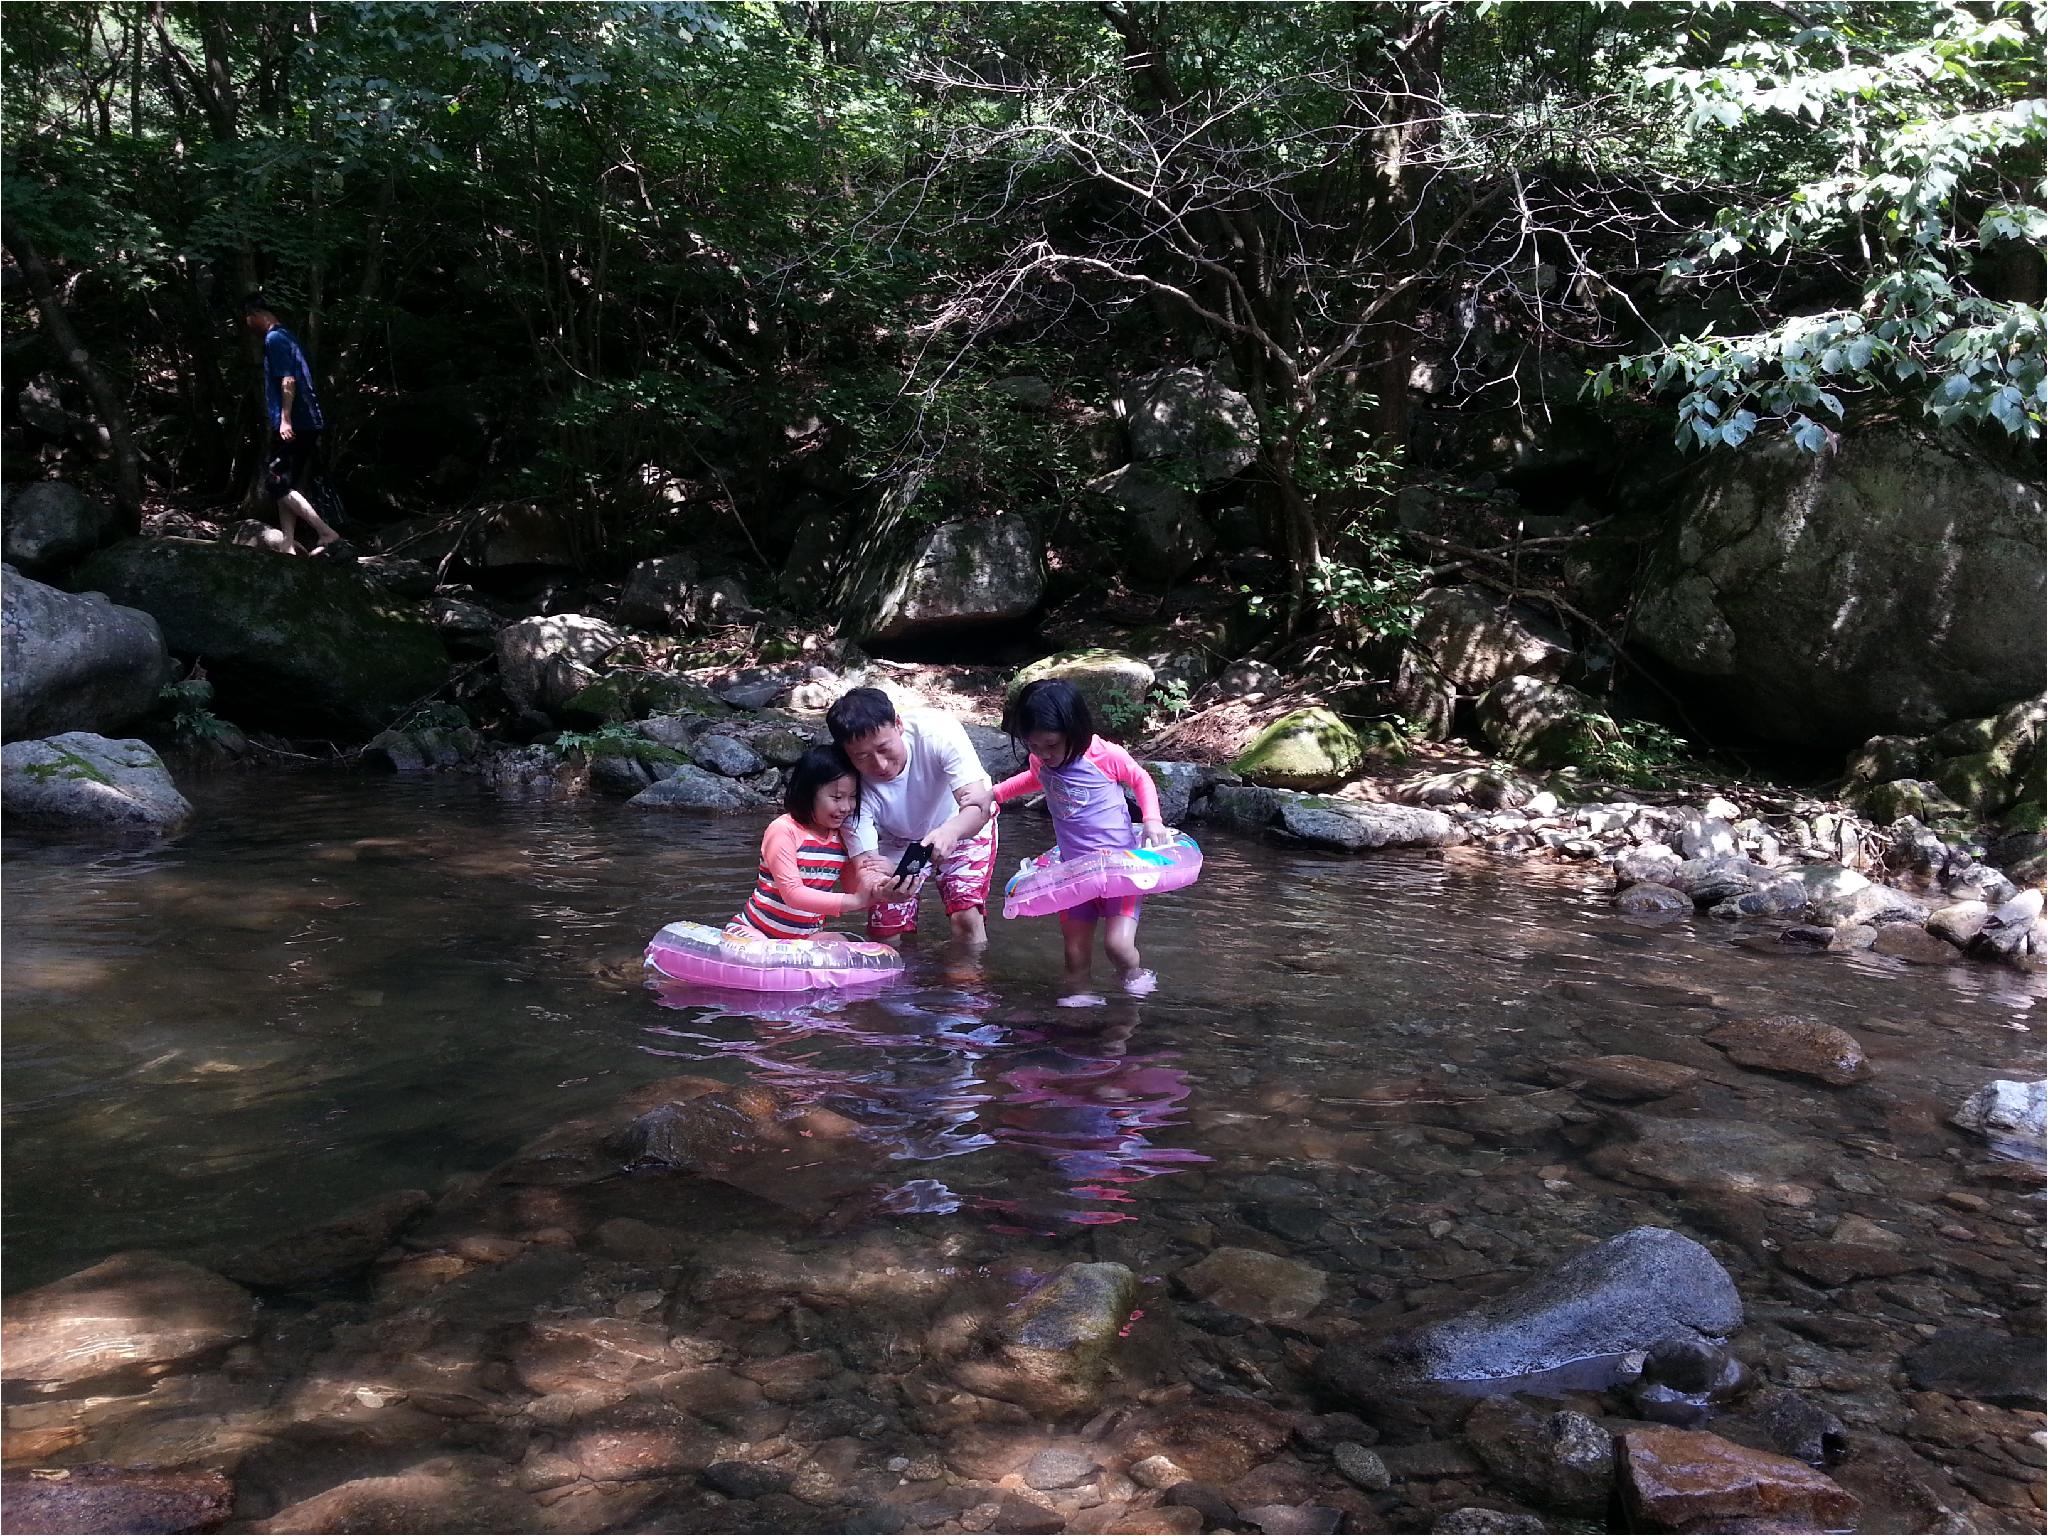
803	854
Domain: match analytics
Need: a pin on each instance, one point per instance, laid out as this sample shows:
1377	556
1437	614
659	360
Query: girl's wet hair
813	771
1051	705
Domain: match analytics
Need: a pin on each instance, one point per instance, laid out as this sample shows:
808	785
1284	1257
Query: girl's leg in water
1078	934
1120	943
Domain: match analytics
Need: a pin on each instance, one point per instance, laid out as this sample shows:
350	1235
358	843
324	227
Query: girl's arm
1019	785
778	854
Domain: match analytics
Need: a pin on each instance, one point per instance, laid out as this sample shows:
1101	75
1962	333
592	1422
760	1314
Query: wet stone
1056	1468
1799	1428
1677	1479
105	1498
1217	1441
1208	1501
333	1250
135	1312
1628	1078
747	1479
1261	1286
1562	1460
1787	1043
1362	1467
1836	1264
1158	1472
1472	1520
1979	1363
1293	1519
1167	1520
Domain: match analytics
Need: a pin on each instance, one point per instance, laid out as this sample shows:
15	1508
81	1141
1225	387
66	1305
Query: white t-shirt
940	759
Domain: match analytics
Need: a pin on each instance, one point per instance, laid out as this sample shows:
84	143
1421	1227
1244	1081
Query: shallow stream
333	987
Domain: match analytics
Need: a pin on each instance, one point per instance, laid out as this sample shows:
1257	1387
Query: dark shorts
289	466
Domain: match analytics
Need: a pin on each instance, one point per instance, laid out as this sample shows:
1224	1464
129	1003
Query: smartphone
915	858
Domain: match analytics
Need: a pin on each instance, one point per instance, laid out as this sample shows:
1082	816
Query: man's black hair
813	771
1051	704
256	304
860	713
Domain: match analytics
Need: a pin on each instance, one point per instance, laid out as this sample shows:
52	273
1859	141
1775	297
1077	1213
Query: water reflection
936	1075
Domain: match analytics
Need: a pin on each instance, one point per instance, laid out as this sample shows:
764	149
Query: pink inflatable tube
1049	884
697	952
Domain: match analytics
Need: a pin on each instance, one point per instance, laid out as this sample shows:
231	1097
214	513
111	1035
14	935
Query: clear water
333	987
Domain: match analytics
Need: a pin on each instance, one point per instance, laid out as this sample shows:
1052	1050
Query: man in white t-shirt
920	782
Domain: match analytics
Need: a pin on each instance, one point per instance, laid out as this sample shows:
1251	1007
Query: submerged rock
80	780
331	1251
1648	899
136	1312
1787	1043
1979	1363
1728	1157
1261	1286
1562	1461
1629	1293
1051	1352
1676	1479
144	1500
1625	1077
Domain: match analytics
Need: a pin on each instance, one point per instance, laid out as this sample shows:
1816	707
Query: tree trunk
127	461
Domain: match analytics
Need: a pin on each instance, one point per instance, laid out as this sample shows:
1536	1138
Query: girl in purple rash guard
1084	778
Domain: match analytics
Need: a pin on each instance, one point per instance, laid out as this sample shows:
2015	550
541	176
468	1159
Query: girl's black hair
1051	705
813	771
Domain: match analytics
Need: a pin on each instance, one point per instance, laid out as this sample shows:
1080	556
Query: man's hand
942	840
284	429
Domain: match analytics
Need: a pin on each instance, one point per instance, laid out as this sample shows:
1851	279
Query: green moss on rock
622	696
1114	684
1309	749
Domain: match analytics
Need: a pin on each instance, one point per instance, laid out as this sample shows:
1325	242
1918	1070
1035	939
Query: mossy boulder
621	696
304	646
1114	684
1887	803
1961	737
1541	725
84	782
1884	758
1979	782
1309	749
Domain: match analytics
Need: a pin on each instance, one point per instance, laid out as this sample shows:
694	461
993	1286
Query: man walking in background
295	425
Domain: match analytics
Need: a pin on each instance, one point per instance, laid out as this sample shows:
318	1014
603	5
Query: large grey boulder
1476	640
1161	532
305	646
85	781
658	594
74	662
1191	419
545	662
1113	684
956	577
1891	582
1537	724
1631	1292
49	525
691	788
1353	826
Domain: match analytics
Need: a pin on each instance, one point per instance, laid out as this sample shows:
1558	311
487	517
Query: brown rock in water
1911	943
1624	1077
1679	1479
1167	1520
1051	1352
1788	1043
1261	1286
1833	1264
133	1312
1213	1442
573	1354
103	1498
331	1251
448	1494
